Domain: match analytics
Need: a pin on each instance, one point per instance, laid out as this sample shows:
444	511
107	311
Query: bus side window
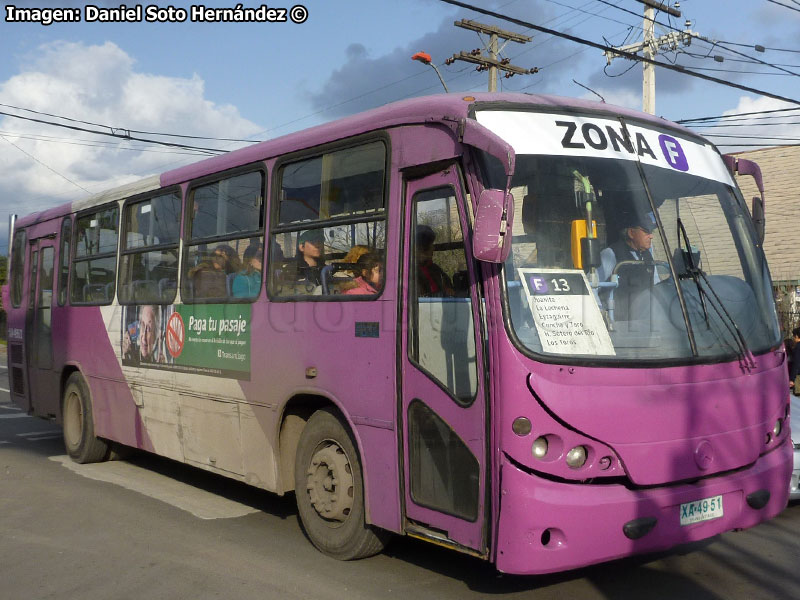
224	241
63	277
309	255
17	267
149	256
94	264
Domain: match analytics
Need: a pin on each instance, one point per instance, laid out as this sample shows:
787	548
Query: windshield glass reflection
617	298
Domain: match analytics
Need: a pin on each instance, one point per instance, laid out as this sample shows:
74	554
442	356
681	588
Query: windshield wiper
693	271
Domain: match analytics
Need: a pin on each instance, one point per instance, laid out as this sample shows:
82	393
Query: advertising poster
206	339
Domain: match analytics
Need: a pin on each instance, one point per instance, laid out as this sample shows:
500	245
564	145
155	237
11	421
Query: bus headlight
776	431
539	448
576	457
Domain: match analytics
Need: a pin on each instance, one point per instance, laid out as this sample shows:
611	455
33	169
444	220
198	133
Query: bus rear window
17	267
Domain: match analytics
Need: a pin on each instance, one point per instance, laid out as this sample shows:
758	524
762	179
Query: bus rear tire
329	489
79	439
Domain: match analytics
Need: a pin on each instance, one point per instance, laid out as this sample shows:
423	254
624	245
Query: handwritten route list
565	312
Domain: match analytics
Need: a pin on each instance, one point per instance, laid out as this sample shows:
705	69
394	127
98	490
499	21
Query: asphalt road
151	528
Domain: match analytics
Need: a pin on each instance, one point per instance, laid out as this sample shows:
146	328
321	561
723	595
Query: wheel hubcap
73	420
329	481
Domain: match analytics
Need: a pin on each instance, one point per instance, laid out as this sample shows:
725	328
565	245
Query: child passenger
370	279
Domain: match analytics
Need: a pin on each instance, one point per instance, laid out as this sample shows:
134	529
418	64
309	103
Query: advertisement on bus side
203	339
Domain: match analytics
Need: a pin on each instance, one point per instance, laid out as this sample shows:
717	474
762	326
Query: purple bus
536	330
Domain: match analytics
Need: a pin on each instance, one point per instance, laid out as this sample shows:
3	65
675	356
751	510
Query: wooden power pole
491	63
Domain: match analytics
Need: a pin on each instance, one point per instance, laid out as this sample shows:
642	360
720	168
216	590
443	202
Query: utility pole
651	45
491	63
649	69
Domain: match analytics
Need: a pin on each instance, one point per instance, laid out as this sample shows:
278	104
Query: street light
425	59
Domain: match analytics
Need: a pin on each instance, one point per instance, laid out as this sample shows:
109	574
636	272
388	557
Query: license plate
701	510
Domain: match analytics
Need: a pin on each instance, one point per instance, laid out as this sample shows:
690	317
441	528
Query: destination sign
565	312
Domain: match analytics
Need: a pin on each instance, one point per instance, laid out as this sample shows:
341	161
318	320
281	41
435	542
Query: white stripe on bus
5	390
14	416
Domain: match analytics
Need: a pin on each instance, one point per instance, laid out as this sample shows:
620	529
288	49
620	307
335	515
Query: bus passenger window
17	267
325	261
310	254
63	277
94	264
149	261
222	261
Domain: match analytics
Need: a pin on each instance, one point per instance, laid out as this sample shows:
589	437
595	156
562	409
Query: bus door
443	397
43	392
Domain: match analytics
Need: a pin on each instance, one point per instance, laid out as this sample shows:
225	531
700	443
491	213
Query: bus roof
405	112
426	109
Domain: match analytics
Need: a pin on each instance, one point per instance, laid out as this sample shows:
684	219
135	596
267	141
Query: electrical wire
754	59
210	151
742	114
49	168
784	5
116	129
629	55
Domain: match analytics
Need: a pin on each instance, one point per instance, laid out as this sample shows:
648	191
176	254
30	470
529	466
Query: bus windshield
658	229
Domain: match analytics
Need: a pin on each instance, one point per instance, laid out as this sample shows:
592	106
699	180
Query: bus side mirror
491	236
742	166
759	218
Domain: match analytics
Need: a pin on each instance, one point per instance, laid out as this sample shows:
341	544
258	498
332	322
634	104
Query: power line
750	124
714	43
117	129
678	68
31	156
751	137
93	144
742	114
758	47
784	5
114	135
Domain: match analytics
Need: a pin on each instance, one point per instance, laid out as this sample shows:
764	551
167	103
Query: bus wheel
82	445
330	492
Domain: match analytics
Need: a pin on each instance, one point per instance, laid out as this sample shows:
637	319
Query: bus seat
166	287
96	292
336	276
144	290
229	283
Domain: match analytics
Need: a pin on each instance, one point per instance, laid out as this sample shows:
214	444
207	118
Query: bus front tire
79	439
330	492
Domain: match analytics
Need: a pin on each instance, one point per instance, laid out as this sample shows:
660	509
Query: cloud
760	130
99	84
365	81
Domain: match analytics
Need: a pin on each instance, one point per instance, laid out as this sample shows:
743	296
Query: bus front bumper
547	526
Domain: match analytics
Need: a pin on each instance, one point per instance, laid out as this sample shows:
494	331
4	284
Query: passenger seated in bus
370	278
208	277
432	281
230	262
247	282
310	257
141	341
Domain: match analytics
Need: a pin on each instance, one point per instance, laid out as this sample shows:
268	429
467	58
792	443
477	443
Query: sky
254	81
